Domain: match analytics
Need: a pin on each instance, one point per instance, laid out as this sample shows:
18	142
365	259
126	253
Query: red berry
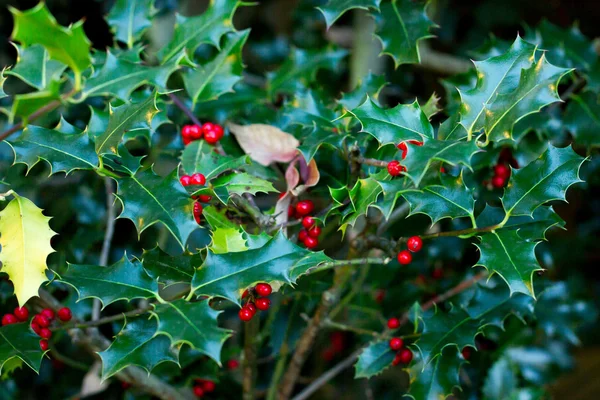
291	211
404	257
198	179
21	313
310	242
403	148
414	244
207	127
186	141
329	354
251	307
302	235
393	323
263	303
9	319
338	341
498	182
198	391
186	132
48	313
125	385
218	129
467	352
45	333
380	296
245	314
437	273
233	364
308	222
64	314
406	356
396	343
304	207
204	198
394	168
263	289
502	170
185	180
208	386
396	360
211	137
36	328
314	232
44	344
42	320
198	212
245	294
195	132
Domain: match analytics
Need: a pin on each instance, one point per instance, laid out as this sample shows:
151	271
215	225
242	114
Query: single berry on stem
498	182
315	231
9	319
44	344
64	314
311	242
197	179
394	168
233	364
467	352
185	180
245	314
308	222
396	343
414	244
406	356
404	257
304	207
393	323
207	127
48	313
502	170
302	235
208	386
21	313
198	391
263	289
45	333
263	303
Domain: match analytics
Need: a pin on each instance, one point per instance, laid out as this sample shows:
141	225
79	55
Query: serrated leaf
402	25
123	280
334	9
394	125
63	149
25	239
219	75
217	218
205	28
451	199
317	137
544	179
19	341
124	118
309	109
374	359
363	196
149	199
228	275
199	156
129	19
420	158
228	240
137	344
194	324
370	86
392	190
436	380
230	106
69	45
24	105
508	255
119	77
240	183
528	228
169	269
581	119
35	67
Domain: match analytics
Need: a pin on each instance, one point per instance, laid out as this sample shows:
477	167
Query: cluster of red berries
414	244
403	354
40	323
394	168
196	179
254	302
203	386
211	133
501	175
233	364
310	234
338	344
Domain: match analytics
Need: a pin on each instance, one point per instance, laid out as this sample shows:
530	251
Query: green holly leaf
168	269
199	156
138	344
124	162
334	9
19	341
240	183
317	137
374	359
123	280
217	218
309	109
363	195
208	27
451	199
149	199
370	86
501	381
544	179
420	158
392	190
69	45
228	240
65	148
228	275
120	76
35	67
244	101
505	253
129	19
130	116
2	80
394	125
26	104
528	228
194	324
301	67
219	75
436	380
581	119
402	25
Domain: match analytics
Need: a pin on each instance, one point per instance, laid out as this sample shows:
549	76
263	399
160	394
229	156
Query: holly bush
208	208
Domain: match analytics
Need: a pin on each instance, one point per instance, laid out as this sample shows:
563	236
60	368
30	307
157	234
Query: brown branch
181	105
254	212
370	161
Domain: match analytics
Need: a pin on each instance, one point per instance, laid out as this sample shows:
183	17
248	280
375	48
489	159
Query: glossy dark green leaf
369	86
363	195
501	381
35	67
317	137
199	156
169	269
392	190
217	218
436	380
19	341
309	109
129	19
240	183
24	105
581	118
528	228
333	9
374	359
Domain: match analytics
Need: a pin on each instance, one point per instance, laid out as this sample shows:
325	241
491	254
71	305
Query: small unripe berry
502	170
245	314
9	319
198	391
44	344
302	235
394	168
185	180
406	356
198	179
308	222
211	137
393	323
404	257
304	207
21	313
42	320
396	343
414	244
498	182
233	364
208	386
48	313
45	333
310	242
64	314
315	231
263	303
263	289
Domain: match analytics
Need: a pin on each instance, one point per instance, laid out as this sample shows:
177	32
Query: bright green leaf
374	359
129	19
199	156
35	67
334	9
19	341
